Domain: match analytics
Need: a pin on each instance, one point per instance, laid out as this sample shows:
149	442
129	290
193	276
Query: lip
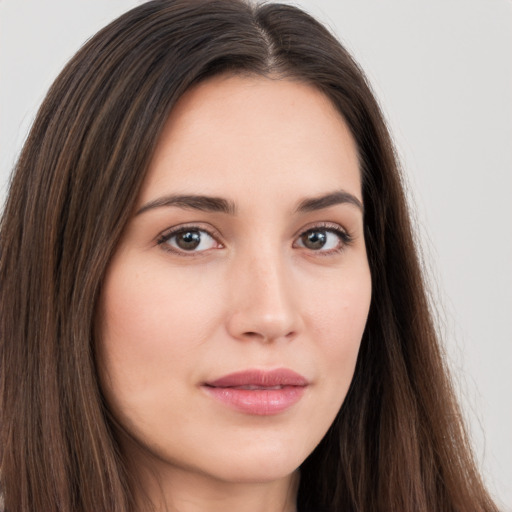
258	392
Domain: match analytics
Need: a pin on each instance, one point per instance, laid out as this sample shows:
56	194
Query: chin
257	473
262	462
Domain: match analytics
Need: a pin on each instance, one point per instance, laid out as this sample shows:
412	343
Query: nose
263	305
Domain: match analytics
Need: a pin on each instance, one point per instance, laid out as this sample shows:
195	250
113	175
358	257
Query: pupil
188	240
314	239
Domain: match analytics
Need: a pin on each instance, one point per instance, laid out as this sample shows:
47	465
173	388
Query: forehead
236	133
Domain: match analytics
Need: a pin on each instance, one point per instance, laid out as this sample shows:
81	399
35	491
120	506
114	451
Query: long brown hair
398	441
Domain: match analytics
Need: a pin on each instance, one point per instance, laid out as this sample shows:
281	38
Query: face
232	311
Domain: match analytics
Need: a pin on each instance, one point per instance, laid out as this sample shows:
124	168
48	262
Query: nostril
269	337
251	334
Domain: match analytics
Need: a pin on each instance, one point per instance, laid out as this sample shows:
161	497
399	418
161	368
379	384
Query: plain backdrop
442	71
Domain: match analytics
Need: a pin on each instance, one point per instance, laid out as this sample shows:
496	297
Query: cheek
339	306
154	305
150	322
338	318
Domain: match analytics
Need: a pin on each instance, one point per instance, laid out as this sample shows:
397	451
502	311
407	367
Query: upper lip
260	378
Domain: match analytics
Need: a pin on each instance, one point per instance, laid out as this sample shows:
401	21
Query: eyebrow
192	202
221	205
334	198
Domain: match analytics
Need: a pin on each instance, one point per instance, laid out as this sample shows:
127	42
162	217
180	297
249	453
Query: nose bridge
263	305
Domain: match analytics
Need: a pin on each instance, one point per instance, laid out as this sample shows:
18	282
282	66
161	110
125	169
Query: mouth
258	392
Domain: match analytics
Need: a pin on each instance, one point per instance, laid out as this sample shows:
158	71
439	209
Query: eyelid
345	236
168	233
326	225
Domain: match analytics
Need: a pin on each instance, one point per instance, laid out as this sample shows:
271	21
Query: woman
210	293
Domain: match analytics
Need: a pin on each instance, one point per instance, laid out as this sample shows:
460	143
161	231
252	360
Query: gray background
442	71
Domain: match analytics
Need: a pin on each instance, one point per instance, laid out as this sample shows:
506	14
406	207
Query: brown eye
323	240
314	240
189	240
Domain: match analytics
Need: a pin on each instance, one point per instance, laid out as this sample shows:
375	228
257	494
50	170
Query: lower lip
260	402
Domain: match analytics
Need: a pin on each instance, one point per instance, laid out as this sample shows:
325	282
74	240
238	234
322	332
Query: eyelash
167	235
345	238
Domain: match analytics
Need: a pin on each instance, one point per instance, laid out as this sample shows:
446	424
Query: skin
256	293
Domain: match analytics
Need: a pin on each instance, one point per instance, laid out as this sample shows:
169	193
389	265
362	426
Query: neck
183	491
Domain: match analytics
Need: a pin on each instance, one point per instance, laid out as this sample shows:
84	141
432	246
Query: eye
188	240
325	240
